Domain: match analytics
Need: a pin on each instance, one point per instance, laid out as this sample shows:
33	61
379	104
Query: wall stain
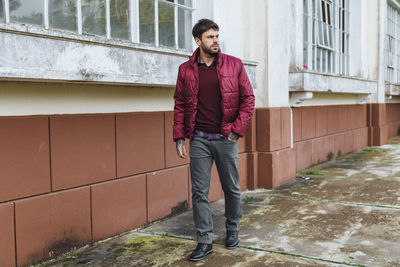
181	207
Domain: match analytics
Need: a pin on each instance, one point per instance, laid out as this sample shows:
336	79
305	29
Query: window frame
392	31
133	16
331	54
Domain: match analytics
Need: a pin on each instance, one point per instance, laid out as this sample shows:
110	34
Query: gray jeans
225	154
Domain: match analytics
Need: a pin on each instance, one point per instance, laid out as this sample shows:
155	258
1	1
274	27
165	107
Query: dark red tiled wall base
77	158
393	119
118	206
320	133
382	121
52	224
67	180
7	242
276	161
325	132
24	157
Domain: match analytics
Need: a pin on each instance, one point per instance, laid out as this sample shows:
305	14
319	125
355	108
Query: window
392	46
94	17
166	23
119	20
2	15
146	18
62	14
184	28
326	36
27	11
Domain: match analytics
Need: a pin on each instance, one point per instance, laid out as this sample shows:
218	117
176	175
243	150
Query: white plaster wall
356	47
370	38
236	21
232	19
278	53
243	34
245	28
265	31
296	34
259	34
382	9
29	98
49	56
326	99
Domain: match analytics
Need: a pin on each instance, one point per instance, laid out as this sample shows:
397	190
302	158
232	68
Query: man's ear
197	40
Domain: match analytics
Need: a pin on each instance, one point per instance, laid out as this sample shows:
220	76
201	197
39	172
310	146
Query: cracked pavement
345	212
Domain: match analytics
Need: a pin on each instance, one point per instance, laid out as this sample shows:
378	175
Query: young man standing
214	103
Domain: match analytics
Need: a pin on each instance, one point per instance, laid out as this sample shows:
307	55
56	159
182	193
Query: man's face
209	42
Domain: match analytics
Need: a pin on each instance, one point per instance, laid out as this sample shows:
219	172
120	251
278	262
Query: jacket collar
196	53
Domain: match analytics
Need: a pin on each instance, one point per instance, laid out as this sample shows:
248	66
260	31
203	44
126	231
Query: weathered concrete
317	82
342	213
88	59
137	249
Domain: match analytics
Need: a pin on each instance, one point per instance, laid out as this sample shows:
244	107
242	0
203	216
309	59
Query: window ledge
35	54
306	81
392	89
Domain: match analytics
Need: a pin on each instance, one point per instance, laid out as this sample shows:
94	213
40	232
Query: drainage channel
352	204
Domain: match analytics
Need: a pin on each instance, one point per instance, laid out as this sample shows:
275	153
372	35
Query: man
214	102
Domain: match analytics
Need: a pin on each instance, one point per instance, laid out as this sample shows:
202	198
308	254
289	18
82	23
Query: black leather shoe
201	251
232	239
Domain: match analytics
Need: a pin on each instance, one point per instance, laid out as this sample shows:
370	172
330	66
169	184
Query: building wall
393	119
370	39
70	179
74	178
87	153
324	133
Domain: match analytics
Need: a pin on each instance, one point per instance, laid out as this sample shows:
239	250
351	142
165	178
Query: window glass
185	28
146	21
62	14
93	17
2	10
26	11
119	10
326	36
166	24
305	33
187	3
392	45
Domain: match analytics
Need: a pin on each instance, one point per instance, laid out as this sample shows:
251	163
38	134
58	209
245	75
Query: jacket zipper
220	90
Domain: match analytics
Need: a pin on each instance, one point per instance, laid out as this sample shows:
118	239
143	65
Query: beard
209	50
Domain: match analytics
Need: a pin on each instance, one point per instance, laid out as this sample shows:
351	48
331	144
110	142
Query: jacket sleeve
179	108
246	103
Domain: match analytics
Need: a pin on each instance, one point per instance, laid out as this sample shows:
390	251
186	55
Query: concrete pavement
345	212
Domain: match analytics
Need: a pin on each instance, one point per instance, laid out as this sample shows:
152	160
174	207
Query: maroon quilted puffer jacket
237	102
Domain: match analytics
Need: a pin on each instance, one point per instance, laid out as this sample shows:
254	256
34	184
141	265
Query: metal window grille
171	16
326	36
392	46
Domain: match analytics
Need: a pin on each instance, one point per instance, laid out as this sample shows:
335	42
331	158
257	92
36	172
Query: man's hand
180	148
233	137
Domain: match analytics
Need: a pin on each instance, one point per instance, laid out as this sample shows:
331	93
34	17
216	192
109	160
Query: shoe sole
199	259
232	247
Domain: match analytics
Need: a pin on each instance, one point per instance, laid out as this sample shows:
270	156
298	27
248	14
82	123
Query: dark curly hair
202	26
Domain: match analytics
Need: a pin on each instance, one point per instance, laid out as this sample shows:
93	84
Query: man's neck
206	58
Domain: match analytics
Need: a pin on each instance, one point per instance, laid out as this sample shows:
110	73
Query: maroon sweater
209	112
